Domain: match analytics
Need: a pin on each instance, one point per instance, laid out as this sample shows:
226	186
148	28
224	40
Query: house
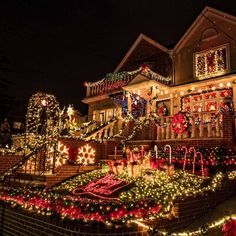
197	76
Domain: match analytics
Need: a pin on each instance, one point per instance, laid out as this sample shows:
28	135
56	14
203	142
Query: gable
143	81
211	30
147	51
138	79
210	24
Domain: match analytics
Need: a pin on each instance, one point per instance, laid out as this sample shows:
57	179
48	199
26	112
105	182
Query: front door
102	117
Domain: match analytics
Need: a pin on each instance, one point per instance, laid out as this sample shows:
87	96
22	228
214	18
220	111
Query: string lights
149	196
221	222
211	63
116	81
42	107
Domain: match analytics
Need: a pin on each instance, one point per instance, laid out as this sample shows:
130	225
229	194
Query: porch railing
202	125
86	128
107	85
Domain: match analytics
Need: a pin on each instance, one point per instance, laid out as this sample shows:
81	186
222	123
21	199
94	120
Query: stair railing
101	133
31	164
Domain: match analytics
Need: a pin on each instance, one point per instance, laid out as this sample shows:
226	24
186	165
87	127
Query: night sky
54	46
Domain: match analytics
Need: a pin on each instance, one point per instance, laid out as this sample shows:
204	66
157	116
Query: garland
116	81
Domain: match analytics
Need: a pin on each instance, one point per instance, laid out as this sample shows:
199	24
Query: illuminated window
211	63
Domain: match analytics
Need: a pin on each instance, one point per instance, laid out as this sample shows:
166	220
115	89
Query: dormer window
211	63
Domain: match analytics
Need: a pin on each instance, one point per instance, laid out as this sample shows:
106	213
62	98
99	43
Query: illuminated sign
105	187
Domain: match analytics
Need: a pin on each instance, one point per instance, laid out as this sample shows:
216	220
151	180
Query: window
210	101
211	63
163	107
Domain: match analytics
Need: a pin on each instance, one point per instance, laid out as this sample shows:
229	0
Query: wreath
162	111
180	123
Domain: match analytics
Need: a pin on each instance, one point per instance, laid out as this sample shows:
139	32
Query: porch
205	129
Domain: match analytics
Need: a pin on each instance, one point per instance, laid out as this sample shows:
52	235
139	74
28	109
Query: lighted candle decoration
115	151
133	164
142	154
147	159
156	151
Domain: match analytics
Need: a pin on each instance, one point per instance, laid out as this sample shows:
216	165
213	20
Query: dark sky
54	46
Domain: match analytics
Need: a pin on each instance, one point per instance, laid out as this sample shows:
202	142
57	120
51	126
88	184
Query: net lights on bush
149	196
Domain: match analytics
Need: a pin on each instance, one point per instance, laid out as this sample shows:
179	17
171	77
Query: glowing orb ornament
86	155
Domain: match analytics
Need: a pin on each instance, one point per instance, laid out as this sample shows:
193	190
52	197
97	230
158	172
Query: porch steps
19	179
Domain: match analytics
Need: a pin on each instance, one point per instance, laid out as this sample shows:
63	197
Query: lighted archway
42	114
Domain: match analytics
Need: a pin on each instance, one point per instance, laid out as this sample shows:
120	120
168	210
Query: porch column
88	90
234	94
171	107
234	102
129	103
148	108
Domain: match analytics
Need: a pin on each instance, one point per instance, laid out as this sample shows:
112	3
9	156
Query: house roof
205	14
142	42
145	49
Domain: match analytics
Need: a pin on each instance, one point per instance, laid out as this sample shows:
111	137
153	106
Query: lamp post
44	103
55	145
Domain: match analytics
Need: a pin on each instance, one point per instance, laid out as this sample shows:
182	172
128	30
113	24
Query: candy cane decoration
169	152
185	156
194	158
202	170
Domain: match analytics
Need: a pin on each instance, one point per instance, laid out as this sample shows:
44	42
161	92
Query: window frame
214	74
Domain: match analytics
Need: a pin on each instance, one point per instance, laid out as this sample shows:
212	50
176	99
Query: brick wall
16	222
7	161
192	208
228	126
102	149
